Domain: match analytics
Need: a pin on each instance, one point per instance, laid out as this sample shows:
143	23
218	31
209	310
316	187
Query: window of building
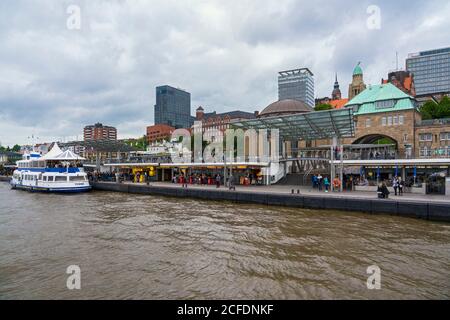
384	104
425	152
395	120
368	122
401	119
425	137
383	121
445	136
389	121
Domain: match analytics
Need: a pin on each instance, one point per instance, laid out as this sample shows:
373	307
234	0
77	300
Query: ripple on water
136	246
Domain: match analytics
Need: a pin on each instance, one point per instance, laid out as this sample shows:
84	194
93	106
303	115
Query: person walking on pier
336	184
314	181
319	181
218	181
395	185
231	184
326	183
400	186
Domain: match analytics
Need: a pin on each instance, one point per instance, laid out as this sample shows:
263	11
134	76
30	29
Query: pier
414	206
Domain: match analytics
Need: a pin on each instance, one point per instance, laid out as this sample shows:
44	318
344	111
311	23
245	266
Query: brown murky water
132	246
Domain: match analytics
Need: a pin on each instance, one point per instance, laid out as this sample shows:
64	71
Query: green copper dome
357	70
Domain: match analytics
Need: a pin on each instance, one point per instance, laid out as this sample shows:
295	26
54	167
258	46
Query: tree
444	107
429	110
433	110
323	106
16	148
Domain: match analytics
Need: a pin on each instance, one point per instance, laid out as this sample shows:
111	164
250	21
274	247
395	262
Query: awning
68	156
52	154
306	126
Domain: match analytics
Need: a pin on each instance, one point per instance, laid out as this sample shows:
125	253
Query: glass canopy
306	126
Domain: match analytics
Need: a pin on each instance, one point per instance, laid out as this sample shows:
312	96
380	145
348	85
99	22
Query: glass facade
173	107
431	71
296	84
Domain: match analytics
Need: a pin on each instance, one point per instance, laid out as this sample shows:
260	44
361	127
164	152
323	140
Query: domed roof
357	70
287	106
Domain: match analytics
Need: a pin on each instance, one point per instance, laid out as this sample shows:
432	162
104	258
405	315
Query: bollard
298	191
292	191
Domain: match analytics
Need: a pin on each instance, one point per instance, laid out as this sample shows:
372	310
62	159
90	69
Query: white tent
52	154
68	156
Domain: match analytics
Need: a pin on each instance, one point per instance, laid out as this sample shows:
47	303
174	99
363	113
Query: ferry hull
52	190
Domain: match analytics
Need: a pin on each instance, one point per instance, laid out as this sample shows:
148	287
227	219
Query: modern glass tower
173	107
297	84
431	70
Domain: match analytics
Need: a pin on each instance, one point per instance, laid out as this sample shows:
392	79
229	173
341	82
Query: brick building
219	121
404	80
433	138
99	132
159	132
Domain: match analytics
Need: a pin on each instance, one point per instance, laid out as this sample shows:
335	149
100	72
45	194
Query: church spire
336	94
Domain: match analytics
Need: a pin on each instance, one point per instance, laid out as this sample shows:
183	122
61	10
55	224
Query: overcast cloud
54	81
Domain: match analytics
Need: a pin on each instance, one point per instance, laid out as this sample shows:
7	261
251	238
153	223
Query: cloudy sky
55	79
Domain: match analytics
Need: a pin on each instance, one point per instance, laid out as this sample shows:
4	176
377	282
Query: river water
138	246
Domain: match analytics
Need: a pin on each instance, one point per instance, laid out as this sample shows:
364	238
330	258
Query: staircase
302	178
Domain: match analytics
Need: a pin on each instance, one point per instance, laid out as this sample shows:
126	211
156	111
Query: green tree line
15	148
433	110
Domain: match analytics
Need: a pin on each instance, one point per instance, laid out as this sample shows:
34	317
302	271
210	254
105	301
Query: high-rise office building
173	107
297	84
431	71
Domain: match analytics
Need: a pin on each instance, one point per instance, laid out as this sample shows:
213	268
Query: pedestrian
146	178
218	181
315	180
380	191
336	184
231	185
384	190
400	186
319	181
326	183
395	185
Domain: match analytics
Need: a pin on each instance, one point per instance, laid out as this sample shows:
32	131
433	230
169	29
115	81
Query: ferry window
59	178
45	178
50	178
77	178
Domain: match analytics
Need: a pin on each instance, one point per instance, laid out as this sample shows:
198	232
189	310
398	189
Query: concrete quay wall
435	211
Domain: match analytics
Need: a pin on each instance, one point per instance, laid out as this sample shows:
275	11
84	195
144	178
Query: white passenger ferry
57	171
